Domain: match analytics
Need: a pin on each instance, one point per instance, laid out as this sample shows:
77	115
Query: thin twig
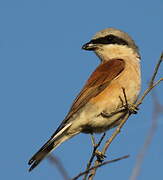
157	110
102	164
147	91
54	160
151	83
107	144
93	156
156	70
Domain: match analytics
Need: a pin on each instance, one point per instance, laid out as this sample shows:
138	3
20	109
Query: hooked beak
89	46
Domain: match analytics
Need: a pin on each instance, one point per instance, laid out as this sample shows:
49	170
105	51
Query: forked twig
147	91
156	70
151	83
102	164
93	156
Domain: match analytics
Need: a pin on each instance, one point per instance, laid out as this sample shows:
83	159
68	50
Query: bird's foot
131	108
100	156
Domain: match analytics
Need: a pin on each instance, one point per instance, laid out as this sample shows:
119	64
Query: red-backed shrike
102	93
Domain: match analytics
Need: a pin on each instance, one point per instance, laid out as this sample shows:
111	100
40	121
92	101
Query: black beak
89	46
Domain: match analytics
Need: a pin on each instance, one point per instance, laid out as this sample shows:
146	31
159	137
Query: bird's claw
132	108
100	156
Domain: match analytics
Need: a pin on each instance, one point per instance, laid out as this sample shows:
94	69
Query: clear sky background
42	69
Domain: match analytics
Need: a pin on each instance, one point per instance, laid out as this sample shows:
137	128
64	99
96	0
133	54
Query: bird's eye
110	37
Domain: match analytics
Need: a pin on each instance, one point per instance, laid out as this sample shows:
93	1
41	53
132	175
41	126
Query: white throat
111	51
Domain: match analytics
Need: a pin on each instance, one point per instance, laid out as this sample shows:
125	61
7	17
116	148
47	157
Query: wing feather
98	81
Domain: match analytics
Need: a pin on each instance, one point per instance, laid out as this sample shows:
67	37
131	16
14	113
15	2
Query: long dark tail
50	145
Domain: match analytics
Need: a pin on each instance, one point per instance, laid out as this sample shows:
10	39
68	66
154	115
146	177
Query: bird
93	109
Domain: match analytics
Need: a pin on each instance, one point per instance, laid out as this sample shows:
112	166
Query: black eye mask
110	39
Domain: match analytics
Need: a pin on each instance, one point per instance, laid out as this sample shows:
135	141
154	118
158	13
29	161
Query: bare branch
92	156
147	91
102	164
107	144
156	70
158	109
152	84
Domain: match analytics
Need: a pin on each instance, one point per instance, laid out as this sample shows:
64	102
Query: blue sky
42	69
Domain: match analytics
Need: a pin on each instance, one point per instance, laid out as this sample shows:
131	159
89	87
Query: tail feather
50	145
39	156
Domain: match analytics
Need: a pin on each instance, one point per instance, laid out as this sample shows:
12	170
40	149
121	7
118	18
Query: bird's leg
131	108
93	140
100	156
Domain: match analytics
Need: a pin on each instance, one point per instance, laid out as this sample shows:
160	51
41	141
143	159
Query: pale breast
109	100
129	79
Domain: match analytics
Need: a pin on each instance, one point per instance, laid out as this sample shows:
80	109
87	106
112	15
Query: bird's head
110	41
